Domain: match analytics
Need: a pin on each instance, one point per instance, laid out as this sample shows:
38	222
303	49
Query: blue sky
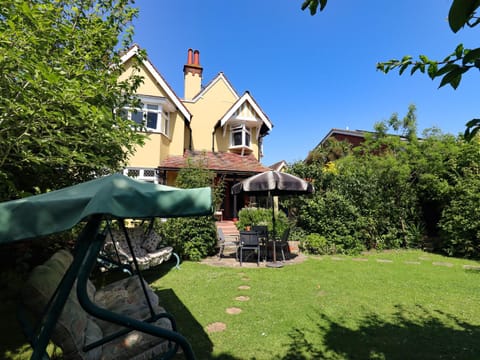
312	74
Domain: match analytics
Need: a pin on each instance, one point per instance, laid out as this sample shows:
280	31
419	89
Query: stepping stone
233	310
360	259
442	264
242	298
216	327
424	258
246	278
384	261
471	267
337	258
412	262
244	287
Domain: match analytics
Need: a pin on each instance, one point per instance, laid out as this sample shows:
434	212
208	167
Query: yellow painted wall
158	146
207	111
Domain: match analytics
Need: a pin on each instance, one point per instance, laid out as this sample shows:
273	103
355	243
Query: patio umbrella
116	196
273	183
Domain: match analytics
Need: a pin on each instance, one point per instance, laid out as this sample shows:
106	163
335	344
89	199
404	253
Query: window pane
137	116
165	122
247	138
152	120
237	138
152	107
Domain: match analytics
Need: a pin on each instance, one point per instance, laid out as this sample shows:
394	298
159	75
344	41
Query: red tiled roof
217	161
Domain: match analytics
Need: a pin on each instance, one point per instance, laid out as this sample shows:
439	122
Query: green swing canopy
115	195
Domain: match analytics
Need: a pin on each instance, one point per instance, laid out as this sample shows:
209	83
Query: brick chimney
192	74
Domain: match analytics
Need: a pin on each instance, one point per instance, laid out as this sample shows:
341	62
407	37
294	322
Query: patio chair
249	240
283	243
262	231
224	241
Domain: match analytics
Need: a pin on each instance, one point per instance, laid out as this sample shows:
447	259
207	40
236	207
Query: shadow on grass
187	325
422	335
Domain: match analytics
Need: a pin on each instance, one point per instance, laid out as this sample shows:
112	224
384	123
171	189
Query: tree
58	91
451	69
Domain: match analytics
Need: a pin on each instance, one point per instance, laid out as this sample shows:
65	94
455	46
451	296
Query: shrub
460	221
192	238
261	216
317	244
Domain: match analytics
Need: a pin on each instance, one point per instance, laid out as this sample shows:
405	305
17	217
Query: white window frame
245	131
152	105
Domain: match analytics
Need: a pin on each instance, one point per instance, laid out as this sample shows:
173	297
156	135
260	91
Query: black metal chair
249	240
283	243
262	231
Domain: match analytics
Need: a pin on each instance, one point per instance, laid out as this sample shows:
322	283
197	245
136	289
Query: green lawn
397	305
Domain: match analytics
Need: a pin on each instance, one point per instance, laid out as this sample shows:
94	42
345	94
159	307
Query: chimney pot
196	57
190	57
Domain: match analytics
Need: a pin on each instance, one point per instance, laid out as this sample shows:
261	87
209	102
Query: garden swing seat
123	320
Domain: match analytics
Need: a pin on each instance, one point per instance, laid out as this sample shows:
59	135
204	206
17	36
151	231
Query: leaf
404	67
432	70
459	51
453	77
461	12
473	127
447	68
471	56
458	14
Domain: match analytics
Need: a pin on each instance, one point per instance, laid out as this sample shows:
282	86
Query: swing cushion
150	244
147	250
75	328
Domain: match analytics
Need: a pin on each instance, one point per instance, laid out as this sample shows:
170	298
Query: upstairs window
151	116
240	136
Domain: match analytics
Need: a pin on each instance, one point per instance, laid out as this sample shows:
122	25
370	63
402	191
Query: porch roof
224	162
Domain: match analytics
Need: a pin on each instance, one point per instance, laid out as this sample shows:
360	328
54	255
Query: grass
397	305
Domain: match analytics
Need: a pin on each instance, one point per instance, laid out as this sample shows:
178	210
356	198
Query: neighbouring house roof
225	162
341	134
133	51
279	166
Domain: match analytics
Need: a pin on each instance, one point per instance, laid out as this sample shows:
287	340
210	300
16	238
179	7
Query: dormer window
153	115
240	136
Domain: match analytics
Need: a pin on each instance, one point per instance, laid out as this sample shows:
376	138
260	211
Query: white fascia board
246	98
163	84
219	77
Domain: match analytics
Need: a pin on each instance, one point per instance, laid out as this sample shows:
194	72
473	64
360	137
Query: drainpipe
213	140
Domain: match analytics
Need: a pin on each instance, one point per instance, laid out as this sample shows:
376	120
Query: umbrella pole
274	263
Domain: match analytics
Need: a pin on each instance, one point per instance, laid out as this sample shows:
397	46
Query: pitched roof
217	161
220	77
246	98
133	51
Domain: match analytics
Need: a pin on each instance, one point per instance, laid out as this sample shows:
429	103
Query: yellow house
211	123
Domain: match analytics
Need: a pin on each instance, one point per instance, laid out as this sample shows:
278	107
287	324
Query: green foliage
394	191
194	238
59	87
317	245
261	216
191	238
196	174
460	222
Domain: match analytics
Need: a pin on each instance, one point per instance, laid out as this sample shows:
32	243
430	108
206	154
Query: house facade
211	123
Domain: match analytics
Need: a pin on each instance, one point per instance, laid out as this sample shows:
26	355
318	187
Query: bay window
240	136
153	115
